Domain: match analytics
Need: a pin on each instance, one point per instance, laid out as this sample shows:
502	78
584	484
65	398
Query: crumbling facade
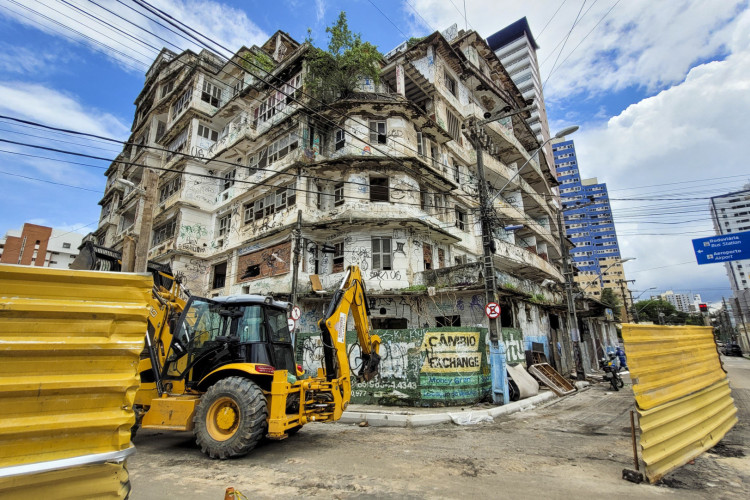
240	176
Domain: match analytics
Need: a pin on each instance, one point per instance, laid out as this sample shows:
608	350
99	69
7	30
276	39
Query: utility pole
295	259
497	355
624	298
632	304
151	183
572	316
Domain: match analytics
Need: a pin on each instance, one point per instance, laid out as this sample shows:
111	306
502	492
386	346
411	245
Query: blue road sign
722	248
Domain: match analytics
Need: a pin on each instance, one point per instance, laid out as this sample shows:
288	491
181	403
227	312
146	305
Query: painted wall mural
419	367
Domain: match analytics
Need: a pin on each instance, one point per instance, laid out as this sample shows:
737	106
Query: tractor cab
215	332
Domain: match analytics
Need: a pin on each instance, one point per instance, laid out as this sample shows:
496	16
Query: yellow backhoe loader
224	367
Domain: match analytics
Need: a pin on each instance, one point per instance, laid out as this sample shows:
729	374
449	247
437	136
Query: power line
565	42
582	40
50	182
388	18
551	18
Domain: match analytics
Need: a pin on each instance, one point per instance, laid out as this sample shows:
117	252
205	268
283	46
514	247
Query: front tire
620	382
231	418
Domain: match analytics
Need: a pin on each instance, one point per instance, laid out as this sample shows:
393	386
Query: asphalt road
575	447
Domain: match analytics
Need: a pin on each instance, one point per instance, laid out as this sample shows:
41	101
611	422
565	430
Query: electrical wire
49	182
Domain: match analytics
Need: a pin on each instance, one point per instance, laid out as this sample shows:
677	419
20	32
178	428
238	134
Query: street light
129	184
560	134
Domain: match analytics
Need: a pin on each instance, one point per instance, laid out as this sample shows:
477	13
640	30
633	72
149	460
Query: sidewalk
384	416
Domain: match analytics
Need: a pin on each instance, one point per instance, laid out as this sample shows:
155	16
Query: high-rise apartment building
43	246
684	302
588	222
731	214
516	48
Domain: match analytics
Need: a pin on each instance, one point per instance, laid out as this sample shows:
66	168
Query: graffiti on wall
426	367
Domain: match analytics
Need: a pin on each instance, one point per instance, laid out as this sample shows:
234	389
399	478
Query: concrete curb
401	418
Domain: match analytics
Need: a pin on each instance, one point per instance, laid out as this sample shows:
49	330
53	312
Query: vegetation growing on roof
251	61
411	42
335	73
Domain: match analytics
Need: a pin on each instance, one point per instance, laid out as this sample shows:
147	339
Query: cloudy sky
659	89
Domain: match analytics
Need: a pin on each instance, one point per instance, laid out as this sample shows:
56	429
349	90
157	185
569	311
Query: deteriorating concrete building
240	176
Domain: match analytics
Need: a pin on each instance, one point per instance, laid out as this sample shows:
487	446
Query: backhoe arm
350	297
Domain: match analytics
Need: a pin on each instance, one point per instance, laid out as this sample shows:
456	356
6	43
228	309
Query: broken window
381	254
163	232
460	219
379	189
441	258
182	102
229	179
161	128
167	87
448	321
178	145
273	202
427	255
207	133
340	140
454	127
390	323
459	260
456	171
169	188
225	224
258	161
377	132
219	275
338	257
282	147
450	83
338	194
211	94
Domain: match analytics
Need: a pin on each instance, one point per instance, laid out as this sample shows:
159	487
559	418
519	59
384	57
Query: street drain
725	451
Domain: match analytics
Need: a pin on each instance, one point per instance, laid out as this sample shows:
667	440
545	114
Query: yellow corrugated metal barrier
681	392
70	342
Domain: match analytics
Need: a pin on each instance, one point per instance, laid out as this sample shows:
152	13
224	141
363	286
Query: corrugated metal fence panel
681	391
69	348
100	481
668	362
674	433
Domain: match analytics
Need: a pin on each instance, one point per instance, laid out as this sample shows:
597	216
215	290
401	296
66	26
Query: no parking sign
492	310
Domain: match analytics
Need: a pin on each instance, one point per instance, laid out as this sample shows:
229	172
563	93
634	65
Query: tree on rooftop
334	73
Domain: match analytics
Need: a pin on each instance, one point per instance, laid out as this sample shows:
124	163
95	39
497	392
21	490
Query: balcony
524	262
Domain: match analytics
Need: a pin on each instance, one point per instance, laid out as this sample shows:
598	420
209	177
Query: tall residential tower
589	225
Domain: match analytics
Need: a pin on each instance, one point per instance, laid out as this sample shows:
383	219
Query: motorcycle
611	373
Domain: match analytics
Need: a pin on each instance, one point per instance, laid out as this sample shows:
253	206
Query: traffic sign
291	324
492	310
296	313
723	248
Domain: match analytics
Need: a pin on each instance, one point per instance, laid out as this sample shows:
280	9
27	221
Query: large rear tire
231	419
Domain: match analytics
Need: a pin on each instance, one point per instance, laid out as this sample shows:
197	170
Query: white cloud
41	104
20	60
641	42
135	49
320	10
694	130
